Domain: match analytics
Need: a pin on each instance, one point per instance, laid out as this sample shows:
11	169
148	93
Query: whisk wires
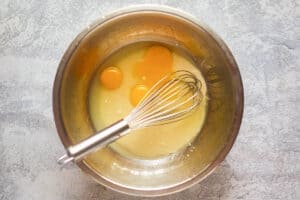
169	100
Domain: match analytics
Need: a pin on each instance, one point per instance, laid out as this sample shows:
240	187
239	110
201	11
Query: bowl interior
150	177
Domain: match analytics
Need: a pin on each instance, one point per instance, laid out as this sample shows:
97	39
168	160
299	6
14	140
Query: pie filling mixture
123	80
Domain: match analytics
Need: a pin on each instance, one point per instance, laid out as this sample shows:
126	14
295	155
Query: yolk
137	94
157	62
111	78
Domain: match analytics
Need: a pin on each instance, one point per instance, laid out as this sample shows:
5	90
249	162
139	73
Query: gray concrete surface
264	37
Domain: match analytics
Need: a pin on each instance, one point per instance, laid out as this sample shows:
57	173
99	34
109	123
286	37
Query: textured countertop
264	37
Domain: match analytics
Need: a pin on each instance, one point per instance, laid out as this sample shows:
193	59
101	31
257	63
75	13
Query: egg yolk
111	78
157	62
137	94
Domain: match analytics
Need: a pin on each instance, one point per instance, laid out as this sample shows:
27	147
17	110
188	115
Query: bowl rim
236	78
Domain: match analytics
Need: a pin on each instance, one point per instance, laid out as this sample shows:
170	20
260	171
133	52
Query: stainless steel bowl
212	57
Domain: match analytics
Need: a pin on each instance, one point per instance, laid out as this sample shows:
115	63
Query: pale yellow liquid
108	106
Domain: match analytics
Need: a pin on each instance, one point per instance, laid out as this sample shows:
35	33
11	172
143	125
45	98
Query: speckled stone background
264	37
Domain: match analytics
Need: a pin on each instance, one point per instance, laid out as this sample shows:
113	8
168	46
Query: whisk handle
95	142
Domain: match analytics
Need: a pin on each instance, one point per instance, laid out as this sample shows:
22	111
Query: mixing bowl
209	53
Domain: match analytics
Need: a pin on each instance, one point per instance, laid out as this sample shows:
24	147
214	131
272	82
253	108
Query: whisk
171	99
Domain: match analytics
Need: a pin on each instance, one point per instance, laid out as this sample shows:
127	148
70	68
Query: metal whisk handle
95	142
